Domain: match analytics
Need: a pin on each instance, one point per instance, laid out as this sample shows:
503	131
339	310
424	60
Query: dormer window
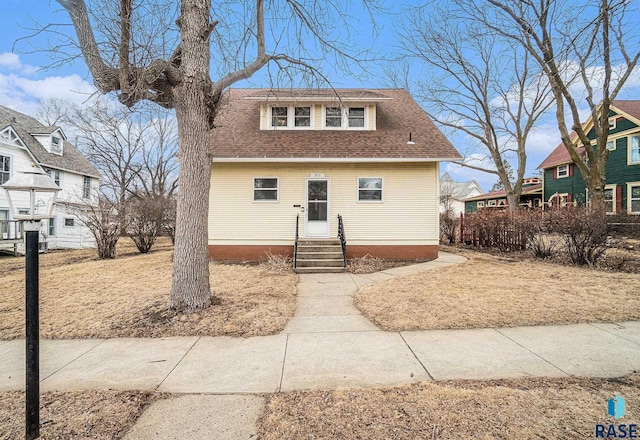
56	144
280	117
356	117
348	117
303	117
333	117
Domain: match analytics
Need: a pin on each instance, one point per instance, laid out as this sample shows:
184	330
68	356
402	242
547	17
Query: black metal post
33	332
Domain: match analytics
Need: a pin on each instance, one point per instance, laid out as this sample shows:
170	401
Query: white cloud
25	94
11	61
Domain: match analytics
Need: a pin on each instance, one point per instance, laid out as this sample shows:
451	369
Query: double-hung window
634	149
349	117
356	117
56	144
610	200
52	227
633	191
279	116
86	187
265	189
370	189
288	117
55	176
5	169
563	171
611	145
333	117
302	116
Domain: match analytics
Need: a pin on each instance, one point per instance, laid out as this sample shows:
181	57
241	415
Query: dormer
318	110
51	138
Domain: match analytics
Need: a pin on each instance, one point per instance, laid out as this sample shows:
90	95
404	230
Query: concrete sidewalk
327	345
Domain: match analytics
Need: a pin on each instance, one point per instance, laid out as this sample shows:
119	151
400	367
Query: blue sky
25	80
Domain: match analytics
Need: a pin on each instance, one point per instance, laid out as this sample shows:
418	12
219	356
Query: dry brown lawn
501	409
499	291
84	297
507	409
75	415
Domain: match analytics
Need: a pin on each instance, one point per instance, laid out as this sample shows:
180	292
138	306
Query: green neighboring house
563	182
530	197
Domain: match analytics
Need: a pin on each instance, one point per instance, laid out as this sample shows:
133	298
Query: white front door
317	224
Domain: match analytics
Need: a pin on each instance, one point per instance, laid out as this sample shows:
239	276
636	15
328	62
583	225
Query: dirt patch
76	415
507	409
498	291
84	297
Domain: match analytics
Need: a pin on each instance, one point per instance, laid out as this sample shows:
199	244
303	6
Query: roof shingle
238	135
25	126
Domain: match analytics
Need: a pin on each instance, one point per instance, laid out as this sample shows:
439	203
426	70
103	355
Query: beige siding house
300	158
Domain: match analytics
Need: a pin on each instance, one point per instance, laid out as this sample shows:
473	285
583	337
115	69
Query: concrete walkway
327	345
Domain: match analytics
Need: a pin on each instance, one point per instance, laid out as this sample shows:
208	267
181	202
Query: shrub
145	222
540	228
449	224
585	232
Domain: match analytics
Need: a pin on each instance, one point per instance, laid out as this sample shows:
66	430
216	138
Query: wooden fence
500	231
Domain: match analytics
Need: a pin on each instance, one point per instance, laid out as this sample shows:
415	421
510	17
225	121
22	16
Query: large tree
587	50
480	85
127	47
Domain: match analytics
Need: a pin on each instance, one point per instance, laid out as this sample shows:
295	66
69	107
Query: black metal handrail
295	246
343	240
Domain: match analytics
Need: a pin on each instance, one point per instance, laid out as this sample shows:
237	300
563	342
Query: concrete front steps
319	256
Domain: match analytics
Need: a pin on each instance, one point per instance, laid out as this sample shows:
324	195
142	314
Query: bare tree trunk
190	289
514	201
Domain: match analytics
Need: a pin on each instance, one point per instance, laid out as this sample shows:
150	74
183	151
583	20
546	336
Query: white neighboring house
26	143
453	194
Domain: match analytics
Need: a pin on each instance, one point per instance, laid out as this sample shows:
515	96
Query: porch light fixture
36	190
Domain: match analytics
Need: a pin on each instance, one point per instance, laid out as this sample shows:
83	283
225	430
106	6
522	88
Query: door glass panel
318	211
317	197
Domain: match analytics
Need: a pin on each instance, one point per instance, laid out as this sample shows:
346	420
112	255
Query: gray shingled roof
25	126
458	190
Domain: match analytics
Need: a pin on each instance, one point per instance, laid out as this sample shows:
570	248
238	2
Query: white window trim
369	189
629	186
64	222
566	166
84	195
11	164
629	162
345	117
51	173
613	199
492	203
58	146
253	189
612	123
480	204
52	222
291	117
